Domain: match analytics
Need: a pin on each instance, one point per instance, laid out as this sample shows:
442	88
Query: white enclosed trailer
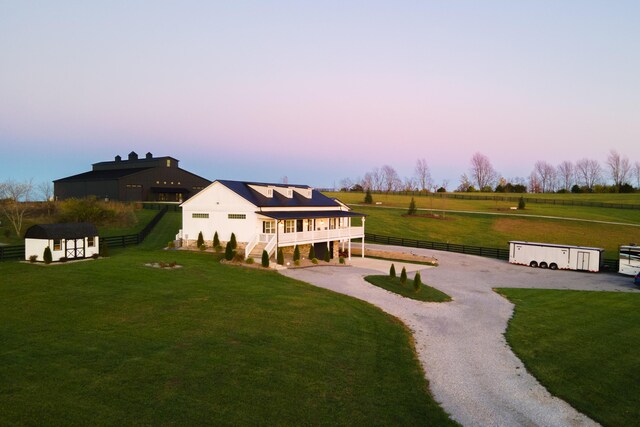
547	255
629	260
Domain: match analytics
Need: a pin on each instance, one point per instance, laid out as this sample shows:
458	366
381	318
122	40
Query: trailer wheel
543	265
533	264
553	266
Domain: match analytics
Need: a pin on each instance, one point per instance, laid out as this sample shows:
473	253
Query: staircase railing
252	244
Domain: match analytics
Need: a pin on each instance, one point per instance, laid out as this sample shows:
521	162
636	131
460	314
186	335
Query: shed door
583	261
74	248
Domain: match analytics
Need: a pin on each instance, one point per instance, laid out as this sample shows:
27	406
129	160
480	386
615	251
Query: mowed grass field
488	230
114	342
584	347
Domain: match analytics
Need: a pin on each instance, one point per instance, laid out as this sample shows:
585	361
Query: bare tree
636	173
423	174
546	175
390	178
465	184
346	184
535	186
619	168
45	191
566	174
14	201
588	172
377	179
409	184
482	172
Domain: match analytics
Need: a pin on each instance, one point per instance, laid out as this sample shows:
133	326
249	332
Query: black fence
171	207
17	251
513	199
609	264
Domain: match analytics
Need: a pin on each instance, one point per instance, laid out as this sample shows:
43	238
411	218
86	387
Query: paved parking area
472	371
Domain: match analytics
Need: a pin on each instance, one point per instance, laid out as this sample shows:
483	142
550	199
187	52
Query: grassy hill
492	224
113	341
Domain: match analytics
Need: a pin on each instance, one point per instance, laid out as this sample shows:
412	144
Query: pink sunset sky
317	91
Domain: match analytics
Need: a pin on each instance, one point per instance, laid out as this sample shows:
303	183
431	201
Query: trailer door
583	261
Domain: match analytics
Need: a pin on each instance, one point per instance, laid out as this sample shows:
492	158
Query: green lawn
392	284
113	342
583	346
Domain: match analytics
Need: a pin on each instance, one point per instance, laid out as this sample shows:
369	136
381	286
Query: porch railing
252	244
303	237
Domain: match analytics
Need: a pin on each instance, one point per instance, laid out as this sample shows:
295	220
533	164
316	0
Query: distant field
113	342
495	231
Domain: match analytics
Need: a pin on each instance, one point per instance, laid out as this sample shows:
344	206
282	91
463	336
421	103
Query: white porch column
363	220
349	249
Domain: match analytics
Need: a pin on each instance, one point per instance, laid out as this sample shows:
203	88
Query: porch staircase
256	252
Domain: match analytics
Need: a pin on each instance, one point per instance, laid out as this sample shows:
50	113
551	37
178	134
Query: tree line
617	175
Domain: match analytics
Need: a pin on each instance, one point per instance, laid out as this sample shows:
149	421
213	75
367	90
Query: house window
57	244
268	227
168	163
332	223
91	241
200	215
290	226
237	216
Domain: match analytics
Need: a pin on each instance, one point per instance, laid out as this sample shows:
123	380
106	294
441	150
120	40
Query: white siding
37	246
218	201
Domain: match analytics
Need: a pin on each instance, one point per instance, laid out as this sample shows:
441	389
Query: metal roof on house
309	214
101	175
69	230
244	190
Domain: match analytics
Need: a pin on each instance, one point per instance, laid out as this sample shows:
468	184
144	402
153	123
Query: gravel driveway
472	371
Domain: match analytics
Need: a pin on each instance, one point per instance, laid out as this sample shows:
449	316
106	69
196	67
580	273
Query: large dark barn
135	179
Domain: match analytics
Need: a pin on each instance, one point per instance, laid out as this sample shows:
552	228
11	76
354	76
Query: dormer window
269	192
289	193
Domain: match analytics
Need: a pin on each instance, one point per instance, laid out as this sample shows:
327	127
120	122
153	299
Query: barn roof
69	230
244	190
101	175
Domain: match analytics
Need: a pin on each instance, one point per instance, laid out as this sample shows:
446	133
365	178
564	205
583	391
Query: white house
269	216
68	240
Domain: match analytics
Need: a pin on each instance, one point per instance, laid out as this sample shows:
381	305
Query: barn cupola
133	155
118	158
149	156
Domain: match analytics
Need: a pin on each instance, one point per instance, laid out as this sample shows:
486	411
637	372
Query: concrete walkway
472	371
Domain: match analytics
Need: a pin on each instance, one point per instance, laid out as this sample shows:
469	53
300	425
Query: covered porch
290	228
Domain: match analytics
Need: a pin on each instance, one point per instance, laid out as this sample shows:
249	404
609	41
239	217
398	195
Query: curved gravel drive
472	372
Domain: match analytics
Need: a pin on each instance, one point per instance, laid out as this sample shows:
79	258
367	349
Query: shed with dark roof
66	241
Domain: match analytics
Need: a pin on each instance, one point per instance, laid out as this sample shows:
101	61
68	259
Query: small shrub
218	248
216	240
238	257
417	282
200	240
229	252
412	207
296	262
172	264
314	260
162	264
367	197
327	256
249	260
403	276
280	257
95	256
265	259
392	271
63	259
33	258
104	249
312	252
296	254
521	203
171	244
232	241
202	247
46	256
341	260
